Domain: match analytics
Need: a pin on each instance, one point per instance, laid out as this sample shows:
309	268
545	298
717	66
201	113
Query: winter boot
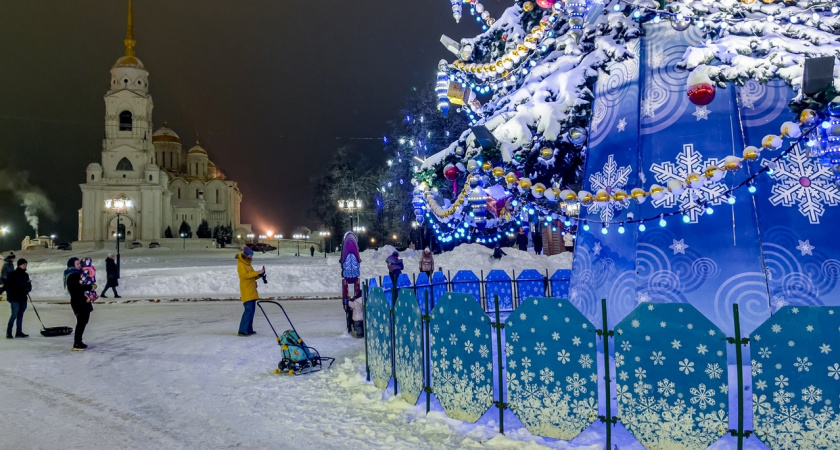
9	336
79	347
20	334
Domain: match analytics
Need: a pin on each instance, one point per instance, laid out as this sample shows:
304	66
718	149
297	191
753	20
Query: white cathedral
165	185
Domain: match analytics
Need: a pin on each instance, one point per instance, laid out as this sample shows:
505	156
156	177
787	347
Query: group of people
79	281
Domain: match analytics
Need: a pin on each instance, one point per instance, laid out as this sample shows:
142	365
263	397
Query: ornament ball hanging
546	4
701	94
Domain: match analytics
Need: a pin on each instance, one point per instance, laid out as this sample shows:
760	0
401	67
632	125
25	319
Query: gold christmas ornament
601	196
522	49
525	183
748	2
772	142
692	178
528	6
657	191
807	116
751	153
732	163
767	1
638	194
568	196
510	178
538	190
498	172
546	153
586	198
619	195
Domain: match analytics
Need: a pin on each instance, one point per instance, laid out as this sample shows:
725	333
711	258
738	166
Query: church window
124	164
196	193
150	178
179	193
217	196
125	121
92	177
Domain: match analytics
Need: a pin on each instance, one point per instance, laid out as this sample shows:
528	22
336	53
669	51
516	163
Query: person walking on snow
8	267
247	290
395	267
78	300
312	250
17	285
427	263
112	280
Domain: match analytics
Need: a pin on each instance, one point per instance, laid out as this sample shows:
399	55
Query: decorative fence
678	380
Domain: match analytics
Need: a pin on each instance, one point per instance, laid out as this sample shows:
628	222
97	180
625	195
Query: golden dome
164	134
129	61
197	150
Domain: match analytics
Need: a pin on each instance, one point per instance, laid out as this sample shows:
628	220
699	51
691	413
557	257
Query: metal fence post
500	403
605	334
364	309
427	359
739	341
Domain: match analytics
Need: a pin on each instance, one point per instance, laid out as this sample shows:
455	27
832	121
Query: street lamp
359	230
278	236
119	206
3	231
350	206
297	238
52	240
250	237
184	235
324	235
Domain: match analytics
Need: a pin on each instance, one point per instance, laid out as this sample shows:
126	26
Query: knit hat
247	251
21	262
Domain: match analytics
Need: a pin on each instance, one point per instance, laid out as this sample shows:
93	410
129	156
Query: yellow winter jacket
247	279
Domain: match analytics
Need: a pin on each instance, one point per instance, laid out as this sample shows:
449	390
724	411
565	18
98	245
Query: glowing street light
119	206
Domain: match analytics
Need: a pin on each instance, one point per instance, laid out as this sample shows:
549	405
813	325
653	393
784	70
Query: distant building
165	185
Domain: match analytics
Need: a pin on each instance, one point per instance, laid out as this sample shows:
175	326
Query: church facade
164	184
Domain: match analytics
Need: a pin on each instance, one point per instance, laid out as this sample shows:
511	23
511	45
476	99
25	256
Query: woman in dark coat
113	278
78	300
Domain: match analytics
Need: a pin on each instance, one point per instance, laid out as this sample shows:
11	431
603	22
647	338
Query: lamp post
278	236
350	206
119	206
184	236
324	235
52	241
250	237
3	231
297	238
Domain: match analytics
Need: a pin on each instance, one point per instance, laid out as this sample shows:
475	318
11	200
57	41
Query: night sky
271	87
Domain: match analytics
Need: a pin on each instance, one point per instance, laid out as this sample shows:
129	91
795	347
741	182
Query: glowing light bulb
709	210
731	200
686	218
621	229
751	189
586	227
604	230
662	221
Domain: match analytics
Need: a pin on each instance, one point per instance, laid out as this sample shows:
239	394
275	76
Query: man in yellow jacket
247	290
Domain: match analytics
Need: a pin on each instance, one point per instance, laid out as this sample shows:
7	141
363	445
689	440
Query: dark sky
271	87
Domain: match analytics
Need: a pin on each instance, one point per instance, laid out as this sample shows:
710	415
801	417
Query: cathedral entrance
127	228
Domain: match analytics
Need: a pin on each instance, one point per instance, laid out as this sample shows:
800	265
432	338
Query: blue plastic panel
560	283
529	283
408	351
671	376
462	363
498	282
466	282
439	286
552	381
796	378
378	328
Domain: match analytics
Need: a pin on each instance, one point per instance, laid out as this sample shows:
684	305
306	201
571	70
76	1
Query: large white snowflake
691	200
802	181
609	179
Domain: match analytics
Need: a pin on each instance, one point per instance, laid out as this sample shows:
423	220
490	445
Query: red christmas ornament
701	94
450	172
546	4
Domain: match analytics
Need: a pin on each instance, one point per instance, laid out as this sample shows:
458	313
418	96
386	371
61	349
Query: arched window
124	164
217	196
150	177
125	121
92	177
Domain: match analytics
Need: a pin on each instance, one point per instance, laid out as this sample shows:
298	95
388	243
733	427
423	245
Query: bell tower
127	147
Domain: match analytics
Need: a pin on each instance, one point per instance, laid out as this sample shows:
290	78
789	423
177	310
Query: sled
298	358
51	331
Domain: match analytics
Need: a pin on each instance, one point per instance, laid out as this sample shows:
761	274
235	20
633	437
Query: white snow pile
162	273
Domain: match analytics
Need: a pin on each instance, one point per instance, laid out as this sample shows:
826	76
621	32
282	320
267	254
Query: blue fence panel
498	282
552	396
439	286
408	340
466	282
378	332
404	282
560	283
462	362
672	387
529	283
423	287
796	378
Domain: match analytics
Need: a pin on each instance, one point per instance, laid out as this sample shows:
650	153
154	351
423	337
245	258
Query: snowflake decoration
801	180
622	123
805	247
649	105
691	199
609	179
679	246
701	113
596	249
